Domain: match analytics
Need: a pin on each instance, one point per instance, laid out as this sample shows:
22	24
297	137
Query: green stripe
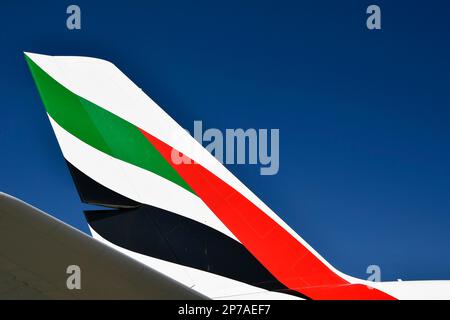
100	128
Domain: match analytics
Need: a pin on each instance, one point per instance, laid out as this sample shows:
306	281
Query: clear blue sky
364	116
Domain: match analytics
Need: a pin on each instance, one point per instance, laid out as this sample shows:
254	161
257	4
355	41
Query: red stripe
283	255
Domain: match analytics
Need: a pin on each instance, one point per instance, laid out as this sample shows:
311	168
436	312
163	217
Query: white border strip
135	183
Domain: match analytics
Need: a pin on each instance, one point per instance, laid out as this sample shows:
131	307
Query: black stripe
168	236
171	237
92	192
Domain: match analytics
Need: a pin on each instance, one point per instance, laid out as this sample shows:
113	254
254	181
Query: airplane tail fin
192	219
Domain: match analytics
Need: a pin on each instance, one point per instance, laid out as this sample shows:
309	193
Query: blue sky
364	116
